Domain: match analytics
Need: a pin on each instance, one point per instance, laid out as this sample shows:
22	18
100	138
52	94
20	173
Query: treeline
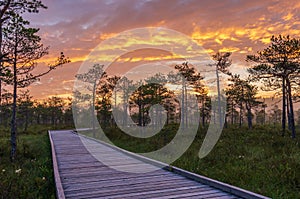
276	68
134	100
57	111
53	111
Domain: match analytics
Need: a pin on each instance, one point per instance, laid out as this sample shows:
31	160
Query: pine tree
23	49
278	67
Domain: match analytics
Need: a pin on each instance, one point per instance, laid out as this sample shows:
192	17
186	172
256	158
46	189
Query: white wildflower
18	171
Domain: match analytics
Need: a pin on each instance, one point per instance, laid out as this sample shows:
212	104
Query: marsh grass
31	175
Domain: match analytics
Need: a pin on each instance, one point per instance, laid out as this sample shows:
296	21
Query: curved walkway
79	174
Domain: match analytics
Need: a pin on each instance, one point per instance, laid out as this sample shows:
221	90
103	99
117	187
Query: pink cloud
76	26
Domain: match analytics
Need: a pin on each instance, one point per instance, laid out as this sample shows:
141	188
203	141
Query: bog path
79	174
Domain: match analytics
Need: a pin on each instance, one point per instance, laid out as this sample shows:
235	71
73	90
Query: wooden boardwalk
79	174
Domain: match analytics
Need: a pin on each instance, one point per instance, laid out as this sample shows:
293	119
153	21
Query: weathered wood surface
81	175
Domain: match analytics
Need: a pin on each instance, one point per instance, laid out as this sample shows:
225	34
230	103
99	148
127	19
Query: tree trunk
26	120
13	139
241	115
125	115
93	110
203	113
1	65
226	123
186	108
232	113
264	120
143	114
287	109
38	118
283	123
125	99
219	98
182	115
0	94
140	114
291	112
249	116
168	117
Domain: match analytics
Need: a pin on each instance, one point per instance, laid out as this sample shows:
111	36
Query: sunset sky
78	26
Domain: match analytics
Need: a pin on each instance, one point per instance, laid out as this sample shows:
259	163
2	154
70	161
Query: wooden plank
129	192
130	183
82	175
117	182
179	192
211	196
91	179
188	193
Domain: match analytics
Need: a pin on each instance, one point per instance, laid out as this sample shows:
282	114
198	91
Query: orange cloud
105	36
288	17
230	49
148	58
238	26
51	59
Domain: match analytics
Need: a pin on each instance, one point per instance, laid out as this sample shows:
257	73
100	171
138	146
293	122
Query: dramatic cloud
239	26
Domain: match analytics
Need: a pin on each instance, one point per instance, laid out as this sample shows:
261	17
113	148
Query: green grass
31	175
259	160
